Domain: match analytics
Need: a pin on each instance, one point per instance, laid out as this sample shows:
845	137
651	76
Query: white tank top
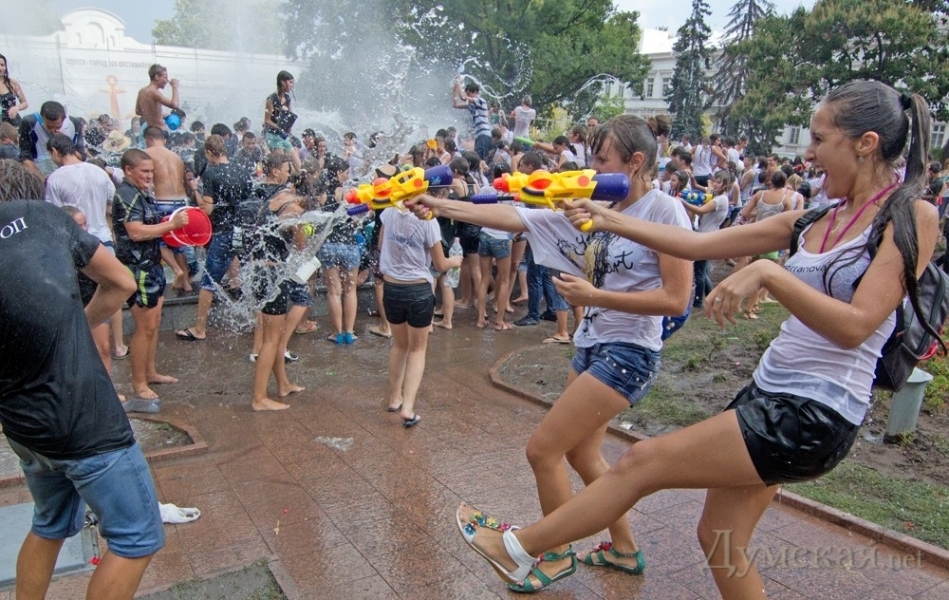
802	362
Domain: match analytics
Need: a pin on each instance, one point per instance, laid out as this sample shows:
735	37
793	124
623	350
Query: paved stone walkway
376	520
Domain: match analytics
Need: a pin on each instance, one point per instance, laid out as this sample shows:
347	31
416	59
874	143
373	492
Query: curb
887	537
197	446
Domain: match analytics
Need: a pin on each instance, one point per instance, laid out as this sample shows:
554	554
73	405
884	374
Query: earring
860	159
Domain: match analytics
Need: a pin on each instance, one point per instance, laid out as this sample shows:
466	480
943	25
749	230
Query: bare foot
462	305
159	379
519	300
181	282
122	397
503	326
293	389
267	404
481	324
145	393
509	309
443	324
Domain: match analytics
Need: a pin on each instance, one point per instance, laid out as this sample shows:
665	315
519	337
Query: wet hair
472	88
8	132
349	135
432	161
450	146
220	129
98	162
186	137
19	183
153	133
6	74
526	100
686	159
861	107
52	111
532	159
61	143
155	71
335	165
215	145
778	179
788	169
249	135
724	176
243	124
274	161
631	134
500	169
569	166
72	211
474	160
283	76
580	130
683	181
197	126
132	158
459	165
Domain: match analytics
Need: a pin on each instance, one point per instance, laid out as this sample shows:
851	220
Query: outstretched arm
495	216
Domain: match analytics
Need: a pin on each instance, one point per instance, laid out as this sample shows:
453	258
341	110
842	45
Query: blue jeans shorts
116	485
276	142
627	368
297	293
339	256
218	260
493	247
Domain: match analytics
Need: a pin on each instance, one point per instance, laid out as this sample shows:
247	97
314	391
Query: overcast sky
140	16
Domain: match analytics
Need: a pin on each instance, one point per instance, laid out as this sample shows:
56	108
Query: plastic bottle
454	274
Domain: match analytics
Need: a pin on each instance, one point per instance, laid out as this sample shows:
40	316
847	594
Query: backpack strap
802	223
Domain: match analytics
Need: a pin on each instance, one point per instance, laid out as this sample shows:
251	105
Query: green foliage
558	52
915	508
223	25
937	392
796	59
689	92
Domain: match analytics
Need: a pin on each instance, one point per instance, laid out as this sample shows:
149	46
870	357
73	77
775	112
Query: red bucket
196	233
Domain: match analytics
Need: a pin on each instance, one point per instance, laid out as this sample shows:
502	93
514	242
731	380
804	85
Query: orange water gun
551	189
386	193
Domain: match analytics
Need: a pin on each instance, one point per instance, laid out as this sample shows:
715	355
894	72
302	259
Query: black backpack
909	343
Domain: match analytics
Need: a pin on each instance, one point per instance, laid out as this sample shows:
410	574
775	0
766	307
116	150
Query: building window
794	136
664	83
648	89
938	136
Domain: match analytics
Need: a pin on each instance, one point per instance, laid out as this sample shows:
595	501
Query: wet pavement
376	520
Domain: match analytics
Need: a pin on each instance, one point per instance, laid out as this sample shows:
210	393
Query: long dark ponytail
865	106
6	73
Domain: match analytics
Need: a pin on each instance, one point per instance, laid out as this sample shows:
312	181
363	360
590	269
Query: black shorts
468	237
412	303
791	438
149	284
271	295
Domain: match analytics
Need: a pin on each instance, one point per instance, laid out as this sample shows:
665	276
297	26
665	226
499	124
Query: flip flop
411	422
174	514
556	340
375	330
313	327
122	356
187	335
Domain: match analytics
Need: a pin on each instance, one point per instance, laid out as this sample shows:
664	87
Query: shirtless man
170	194
150	99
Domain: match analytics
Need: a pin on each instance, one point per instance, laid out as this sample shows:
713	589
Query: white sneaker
252	357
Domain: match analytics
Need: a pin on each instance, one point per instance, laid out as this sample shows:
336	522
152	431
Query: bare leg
448	303
293	318
151	371
116	578
118	334
100	335
517	253
182	261
562	321
144	344
205	300
350	299
502	293
34	566
383	327
483	290
168	257
398	354
266	361
334	300
417	339
710	454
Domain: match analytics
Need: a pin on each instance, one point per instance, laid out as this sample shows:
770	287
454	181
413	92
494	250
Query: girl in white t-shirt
626	289
811	390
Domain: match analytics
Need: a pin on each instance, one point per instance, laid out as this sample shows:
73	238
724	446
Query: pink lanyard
833	218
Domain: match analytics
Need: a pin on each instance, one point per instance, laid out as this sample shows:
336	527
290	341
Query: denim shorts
412	303
339	256
298	293
276	142
791	438
493	247
116	485
218	260
627	368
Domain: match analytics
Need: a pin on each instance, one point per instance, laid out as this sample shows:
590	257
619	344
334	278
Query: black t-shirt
131	204
228	185
56	398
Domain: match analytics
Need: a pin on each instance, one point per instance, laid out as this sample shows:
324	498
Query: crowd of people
627	285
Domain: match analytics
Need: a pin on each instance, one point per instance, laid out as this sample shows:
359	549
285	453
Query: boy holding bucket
138	228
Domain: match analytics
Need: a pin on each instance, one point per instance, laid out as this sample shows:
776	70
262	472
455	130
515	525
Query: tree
223	25
796	59
558	52
688	95
730	79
